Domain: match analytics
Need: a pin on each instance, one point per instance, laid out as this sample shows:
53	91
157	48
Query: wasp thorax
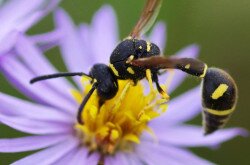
128	50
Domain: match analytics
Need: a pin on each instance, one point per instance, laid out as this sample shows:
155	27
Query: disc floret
119	122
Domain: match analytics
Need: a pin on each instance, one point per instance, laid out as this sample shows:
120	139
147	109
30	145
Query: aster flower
29	12
132	128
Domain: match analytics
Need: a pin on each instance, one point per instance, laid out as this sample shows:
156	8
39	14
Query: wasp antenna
56	75
85	100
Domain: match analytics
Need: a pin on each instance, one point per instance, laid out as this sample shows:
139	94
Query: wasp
134	59
104	77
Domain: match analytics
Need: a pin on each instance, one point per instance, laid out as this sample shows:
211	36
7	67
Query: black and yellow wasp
134	59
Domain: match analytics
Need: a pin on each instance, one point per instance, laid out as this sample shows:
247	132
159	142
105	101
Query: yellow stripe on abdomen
219	112
204	71
219	91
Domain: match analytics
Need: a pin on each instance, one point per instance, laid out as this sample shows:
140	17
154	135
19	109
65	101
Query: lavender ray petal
47	40
158	35
30	143
133	159
12	106
148	157
190	51
93	159
104	33
180	109
110	160
34	126
192	136
73	52
8	42
67	158
39	65
118	158
28	14
84	31
20	76
84	34
50	155
82	157
172	155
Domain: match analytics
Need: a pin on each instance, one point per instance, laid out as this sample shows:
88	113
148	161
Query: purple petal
133	159
192	136
181	109
19	76
79	156
52	36
35	126
85	34
28	14
47	40
151	155
82	157
8	42
29	143
12	106
190	51
111	160
122	158
104	33
73	52
50	155
165	154
93	159
67	158
158	35
39	65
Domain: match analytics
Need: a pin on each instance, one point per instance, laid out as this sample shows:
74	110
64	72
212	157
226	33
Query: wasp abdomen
219	97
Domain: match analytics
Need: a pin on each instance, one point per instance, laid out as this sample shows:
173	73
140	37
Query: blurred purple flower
19	16
51	117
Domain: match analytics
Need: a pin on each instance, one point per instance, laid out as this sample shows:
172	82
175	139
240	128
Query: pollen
118	123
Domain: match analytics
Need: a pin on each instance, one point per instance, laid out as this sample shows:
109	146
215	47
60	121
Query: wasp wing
147	18
155	61
191	66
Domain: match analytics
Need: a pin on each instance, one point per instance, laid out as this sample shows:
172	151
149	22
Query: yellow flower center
119	122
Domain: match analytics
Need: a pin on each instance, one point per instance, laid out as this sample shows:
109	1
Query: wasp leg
149	77
121	97
159	88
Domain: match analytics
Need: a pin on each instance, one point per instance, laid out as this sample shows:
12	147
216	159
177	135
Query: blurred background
221	28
